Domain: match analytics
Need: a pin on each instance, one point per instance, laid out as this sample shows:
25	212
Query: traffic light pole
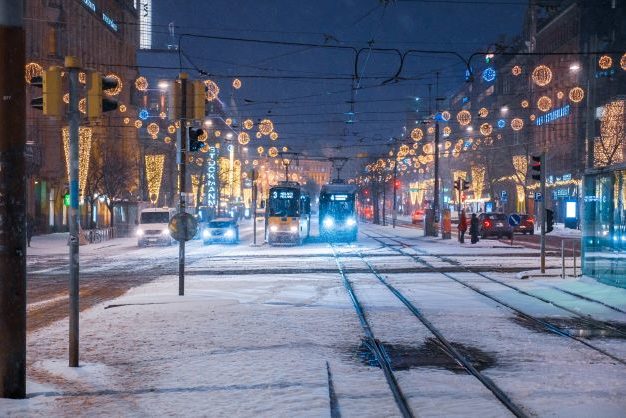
435	231
72	65
395	187
182	177
543	212
13	203
254	204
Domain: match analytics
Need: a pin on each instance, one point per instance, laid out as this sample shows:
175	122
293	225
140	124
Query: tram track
544	324
379	351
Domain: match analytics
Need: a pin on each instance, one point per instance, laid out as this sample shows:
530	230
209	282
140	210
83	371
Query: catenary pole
13	203
543	211
182	178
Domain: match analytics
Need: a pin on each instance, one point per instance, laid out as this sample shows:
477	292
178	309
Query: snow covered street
271	331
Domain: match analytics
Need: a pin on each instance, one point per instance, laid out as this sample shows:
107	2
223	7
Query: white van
152	226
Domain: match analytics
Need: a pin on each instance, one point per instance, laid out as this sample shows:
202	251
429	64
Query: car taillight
487	224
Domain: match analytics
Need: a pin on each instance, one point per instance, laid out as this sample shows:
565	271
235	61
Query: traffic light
199	99
196	139
51	103
457	184
535	167
396	184
549	220
97	103
466	185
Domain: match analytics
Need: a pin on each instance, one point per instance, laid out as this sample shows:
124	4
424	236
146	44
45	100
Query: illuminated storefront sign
554	115
91	5
212	185
110	22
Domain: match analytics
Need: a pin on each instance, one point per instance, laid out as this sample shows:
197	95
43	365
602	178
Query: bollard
574	255
563	259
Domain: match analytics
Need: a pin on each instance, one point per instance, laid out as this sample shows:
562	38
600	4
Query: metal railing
575	243
94	236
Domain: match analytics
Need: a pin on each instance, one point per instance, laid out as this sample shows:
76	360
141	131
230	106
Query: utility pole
254	205
13	204
395	187
182	178
543	211
72	65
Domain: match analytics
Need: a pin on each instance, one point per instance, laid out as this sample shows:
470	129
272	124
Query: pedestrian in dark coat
462	226
474	228
30	228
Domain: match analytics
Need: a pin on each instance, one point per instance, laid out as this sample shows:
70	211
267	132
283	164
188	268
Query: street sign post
538	197
183	226
514	220
504	196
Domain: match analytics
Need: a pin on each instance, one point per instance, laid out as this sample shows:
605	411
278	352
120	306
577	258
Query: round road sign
514	219
183	226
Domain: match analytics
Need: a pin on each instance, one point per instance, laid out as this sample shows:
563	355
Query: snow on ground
259	344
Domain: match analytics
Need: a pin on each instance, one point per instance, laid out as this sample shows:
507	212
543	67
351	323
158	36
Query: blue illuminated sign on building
559	113
110	22
489	74
90	5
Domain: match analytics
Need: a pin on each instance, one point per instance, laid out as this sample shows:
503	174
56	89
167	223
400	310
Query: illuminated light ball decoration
486	129
414	146
171	129
544	103
517	124
274	136
285	149
404	149
258	135
445	115
431	130
66	98
248	124
153	129
489	74
447	144
204	150
237	83
622	62
560	95
542	75
260	150
605	62
516	70
428	148
501	123
204	135
126	121
266	127
82	106
447	131
138	124
122	108
199	161
167	140
190	159
141	83
483	112
82	78
464	117
212	90
117	89
177	124
32	69
577	94
255	163
218	133
417	134
532	117
228	121
272	152
243	138
162	115
525	103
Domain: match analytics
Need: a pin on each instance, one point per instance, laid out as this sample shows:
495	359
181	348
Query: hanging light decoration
228	121
542	75
266	127
285	149
237	83
117	89
199	162
66	98
171	129
447	131
167	140
212	91
622	62
431	130
141	83
82	77
126	121
605	62
483	112
272	152
577	94
84	154
258	135
464	117
260	150
516	70
525	104
153	129
162	115
544	103
122	108
217	133
445	115
203	136
274	136
138	124
447	144
32	69
177	124
417	134
532	117
82	105
248	124
560	95
517	124
243	138
486	129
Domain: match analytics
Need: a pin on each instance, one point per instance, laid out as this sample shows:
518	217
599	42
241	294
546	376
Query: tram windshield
337	205
284	202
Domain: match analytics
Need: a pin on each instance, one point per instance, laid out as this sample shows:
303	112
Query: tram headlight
328	222
273	228
351	222
229	233
206	233
294	228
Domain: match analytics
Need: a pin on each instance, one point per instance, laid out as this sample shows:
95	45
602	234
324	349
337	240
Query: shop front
604	226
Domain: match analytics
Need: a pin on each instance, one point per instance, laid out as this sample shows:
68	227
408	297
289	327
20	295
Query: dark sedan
494	224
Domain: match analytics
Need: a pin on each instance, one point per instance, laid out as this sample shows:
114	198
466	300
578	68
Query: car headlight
140	232
206	233
165	232
328	222
229	233
293	229
351	222
273	228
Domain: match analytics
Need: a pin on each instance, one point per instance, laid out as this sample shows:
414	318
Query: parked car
527	224
417	216
492	223
221	230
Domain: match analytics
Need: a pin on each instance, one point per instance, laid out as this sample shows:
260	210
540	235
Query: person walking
462	226
474	228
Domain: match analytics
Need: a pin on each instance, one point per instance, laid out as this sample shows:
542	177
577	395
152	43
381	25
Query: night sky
306	91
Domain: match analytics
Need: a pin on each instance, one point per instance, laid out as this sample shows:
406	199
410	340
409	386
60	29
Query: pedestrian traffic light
535	167
199	100
457	184
97	103
197	137
51	102
466	185
549	220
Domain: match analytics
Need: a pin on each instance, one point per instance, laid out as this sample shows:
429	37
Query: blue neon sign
90	5
556	114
